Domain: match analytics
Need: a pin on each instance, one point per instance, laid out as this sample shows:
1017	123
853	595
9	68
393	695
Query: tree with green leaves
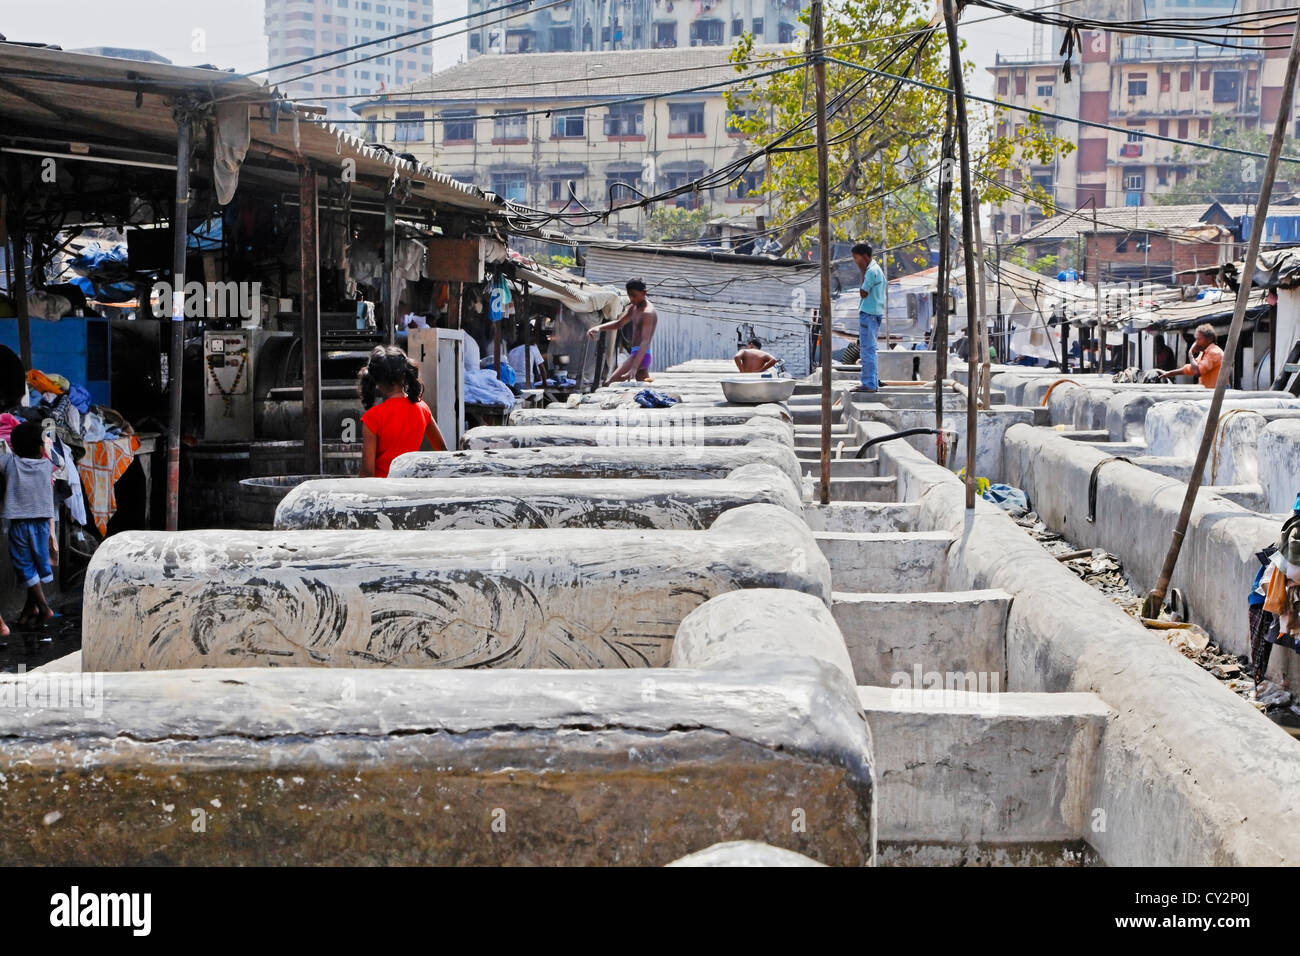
1226	177
884	135
676	224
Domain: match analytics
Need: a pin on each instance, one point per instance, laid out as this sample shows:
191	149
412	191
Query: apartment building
606	25
1148	85
296	29
558	122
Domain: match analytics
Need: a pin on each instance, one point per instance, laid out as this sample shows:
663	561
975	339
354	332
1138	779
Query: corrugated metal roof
727	281
1112	219
129	103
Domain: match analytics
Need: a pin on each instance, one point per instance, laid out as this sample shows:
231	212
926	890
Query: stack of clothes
91	445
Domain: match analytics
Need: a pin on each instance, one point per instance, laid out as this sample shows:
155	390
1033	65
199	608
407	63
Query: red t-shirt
399	425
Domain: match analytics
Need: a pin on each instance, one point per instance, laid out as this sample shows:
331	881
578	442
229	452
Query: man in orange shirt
1206	358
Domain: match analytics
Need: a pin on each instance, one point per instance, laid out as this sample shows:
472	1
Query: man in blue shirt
871	311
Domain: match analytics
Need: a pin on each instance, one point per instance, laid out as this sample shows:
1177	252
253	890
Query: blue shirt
873	284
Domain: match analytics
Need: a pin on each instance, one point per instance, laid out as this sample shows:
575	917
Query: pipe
908	433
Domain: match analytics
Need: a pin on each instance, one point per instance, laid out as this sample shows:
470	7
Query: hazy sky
233	30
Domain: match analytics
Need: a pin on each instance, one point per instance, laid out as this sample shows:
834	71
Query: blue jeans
868	327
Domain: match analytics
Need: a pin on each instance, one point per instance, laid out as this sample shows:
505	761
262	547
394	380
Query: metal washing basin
757	391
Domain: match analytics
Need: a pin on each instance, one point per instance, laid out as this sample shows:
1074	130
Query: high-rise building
600	25
306	28
1161	85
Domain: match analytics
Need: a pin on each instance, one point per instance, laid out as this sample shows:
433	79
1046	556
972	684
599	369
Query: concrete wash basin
568	598
757	391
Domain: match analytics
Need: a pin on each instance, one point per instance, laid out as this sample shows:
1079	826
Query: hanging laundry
103	465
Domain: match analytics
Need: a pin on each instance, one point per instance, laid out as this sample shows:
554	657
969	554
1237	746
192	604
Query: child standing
396	420
29	509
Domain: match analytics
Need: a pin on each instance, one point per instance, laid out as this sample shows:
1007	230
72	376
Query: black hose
906	433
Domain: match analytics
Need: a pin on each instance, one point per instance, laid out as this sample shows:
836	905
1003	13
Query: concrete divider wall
1136	513
409	504
538	598
1279	464
584	461
1188	774
682	433
310	767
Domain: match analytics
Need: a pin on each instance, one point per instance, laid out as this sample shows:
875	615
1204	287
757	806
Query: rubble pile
1103	571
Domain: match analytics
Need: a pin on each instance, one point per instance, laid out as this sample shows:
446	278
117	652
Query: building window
1045	89
1205	79
1137	84
737	27
511	186
758	27
665	35
568	125
1003	86
617	187
1136	181
637	34
743	187
736	117
1020	85
561	38
509	125
458	126
1164	127
1182	129
476	43
625	119
604	34
785	32
1133	198
410	127
706	33
688	200
1184	81
559	189
1135	133
520	41
685	119
1205	129
1225	87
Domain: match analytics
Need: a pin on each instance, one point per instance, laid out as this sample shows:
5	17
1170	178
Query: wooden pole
967	238
939	340
176	353
824	241
390	267
18	261
1155	598
985	386
308	221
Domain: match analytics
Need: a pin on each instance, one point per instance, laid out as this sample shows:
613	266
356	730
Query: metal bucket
259	497
268	459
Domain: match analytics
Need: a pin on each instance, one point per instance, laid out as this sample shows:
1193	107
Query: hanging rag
47	383
103	465
231	133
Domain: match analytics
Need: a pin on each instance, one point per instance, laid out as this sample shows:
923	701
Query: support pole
18	260
939	340
986	372
1101	330
308	221
884	250
967	237
528	341
176	353
1155	598
390	267
824	241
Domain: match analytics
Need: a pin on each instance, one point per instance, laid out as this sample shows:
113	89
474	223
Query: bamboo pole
176	353
939	340
1155	598
824	241
967	236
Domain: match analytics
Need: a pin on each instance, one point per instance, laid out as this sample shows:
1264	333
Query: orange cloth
104	463
47	383
1275	595
1206	365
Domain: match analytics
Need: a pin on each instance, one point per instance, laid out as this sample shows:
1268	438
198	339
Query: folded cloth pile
649	398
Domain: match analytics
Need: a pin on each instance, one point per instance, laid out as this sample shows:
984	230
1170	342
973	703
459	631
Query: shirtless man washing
642	314
752	358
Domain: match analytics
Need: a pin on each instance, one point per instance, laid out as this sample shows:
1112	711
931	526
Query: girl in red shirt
396	420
